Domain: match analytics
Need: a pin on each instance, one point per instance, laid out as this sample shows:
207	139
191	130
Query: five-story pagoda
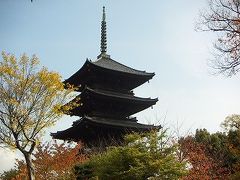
107	101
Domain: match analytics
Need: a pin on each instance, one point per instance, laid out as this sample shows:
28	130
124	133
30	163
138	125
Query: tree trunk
30	166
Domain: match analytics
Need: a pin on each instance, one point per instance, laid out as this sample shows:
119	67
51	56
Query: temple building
106	100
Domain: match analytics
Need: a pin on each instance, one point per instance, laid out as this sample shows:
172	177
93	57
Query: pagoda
106	100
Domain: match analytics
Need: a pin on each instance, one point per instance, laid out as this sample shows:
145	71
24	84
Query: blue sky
156	36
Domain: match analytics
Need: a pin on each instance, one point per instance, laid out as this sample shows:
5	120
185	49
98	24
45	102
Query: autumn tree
223	17
217	148
30	99
54	160
213	155
201	163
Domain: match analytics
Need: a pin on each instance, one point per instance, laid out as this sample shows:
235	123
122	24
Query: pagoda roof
116	95
104	66
108	63
123	123
109	102
91	128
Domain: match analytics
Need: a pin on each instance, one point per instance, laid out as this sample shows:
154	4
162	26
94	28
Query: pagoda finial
103	35
104	14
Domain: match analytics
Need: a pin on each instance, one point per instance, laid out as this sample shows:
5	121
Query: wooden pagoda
107	100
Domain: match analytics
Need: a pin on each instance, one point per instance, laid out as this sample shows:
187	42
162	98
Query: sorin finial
104	33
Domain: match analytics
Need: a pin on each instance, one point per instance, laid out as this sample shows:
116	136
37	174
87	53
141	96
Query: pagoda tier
109	104
109	74
92	130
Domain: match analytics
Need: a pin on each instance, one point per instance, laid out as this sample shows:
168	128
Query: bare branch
223	17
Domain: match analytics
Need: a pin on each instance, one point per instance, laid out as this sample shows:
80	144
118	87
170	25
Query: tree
145	156
30	101
203	163
234	149
223	17
54	161
232	125
231	122
200	164
217	148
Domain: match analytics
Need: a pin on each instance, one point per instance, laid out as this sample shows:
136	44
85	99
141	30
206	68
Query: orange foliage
53	161
201	165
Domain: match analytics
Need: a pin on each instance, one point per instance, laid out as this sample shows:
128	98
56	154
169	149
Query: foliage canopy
30	99
148	155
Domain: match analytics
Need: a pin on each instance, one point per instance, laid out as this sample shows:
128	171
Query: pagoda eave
113	95
109	103
89	129
92	73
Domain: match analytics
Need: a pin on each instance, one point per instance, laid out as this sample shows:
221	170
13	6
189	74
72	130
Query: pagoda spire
103	48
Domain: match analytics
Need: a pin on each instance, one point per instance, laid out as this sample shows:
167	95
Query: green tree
144	156
231	122
30	99
216	147
234	149
232	126
223	17
223	148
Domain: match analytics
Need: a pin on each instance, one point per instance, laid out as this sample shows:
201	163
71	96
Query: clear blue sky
156	36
